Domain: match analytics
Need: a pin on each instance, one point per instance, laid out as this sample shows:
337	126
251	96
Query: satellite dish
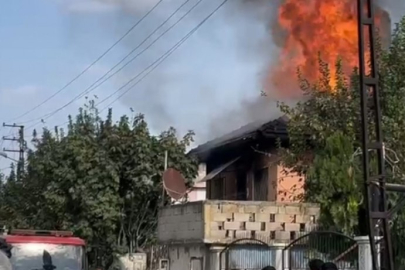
174	184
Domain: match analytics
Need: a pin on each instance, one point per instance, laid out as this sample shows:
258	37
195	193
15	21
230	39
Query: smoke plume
212	83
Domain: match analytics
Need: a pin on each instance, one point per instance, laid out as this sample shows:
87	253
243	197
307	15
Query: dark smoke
212	83
215	74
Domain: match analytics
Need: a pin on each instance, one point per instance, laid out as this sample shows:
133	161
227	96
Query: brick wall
226	221
290	185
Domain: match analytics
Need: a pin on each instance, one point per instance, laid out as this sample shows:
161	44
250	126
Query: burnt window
241	186
216	189
261	181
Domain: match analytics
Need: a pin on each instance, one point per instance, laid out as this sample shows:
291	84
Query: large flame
311	28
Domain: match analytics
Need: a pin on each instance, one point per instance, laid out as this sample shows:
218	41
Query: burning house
249	195
244	166
252	214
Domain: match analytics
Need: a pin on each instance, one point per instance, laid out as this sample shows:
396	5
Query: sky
46	43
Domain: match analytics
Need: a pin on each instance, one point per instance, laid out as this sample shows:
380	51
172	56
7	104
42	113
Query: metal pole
374	185
2	154
163	185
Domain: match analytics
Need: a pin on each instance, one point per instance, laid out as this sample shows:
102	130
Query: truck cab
34	249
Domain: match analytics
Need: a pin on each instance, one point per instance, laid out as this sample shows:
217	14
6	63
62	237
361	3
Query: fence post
365	259
278	248
215	258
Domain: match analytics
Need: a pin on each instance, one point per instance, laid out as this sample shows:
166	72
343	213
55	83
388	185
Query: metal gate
246	254
326	246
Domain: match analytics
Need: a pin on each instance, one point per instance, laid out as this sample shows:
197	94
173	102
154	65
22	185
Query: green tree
100	179
324	135
338	196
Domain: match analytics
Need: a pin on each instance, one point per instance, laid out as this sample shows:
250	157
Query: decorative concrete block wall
267	221
226	221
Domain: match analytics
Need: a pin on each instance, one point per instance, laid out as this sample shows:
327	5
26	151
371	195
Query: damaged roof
270	128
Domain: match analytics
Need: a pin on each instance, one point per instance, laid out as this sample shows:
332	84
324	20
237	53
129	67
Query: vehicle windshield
30	256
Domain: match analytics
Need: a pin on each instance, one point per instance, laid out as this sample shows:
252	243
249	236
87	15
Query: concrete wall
225	221
188	257
181	223
136	261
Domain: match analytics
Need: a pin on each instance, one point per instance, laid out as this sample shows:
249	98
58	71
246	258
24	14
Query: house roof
270	128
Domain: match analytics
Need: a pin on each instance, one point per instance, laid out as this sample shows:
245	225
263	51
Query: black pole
374	185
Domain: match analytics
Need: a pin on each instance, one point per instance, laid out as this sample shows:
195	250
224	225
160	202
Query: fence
326	246
253	254
157	257
247	254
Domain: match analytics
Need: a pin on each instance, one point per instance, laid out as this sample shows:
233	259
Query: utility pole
163	183
22	146
375	183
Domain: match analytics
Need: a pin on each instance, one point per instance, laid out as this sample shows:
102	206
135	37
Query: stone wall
226	221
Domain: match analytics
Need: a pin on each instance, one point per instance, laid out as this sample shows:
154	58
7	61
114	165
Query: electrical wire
152	67
2	139
159	61
91	65
170	51
102	79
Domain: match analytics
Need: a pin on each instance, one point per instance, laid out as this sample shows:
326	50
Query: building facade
244	165
197	233
249	196
246	211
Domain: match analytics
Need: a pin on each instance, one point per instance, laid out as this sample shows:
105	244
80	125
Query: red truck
57	250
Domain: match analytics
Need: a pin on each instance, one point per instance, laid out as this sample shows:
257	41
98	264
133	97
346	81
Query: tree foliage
324	132
98	178
339	197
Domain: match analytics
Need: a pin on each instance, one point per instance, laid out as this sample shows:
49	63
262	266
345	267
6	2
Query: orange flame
325	27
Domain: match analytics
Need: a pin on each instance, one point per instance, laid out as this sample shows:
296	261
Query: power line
2	141
155	64
164	56
103	79
160	60
152	67
91	65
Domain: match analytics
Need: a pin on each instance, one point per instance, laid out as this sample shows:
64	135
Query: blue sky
39	54
46	43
